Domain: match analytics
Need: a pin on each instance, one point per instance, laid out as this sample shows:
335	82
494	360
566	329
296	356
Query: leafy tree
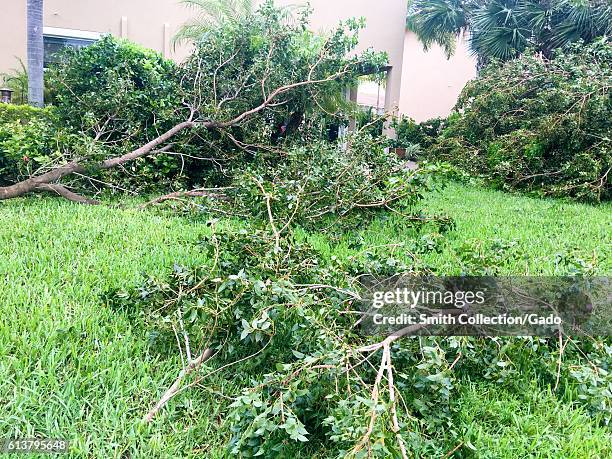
503	29
249	83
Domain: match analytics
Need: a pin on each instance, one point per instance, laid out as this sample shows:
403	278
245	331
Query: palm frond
437	22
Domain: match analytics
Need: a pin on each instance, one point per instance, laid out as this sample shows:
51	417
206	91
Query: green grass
546	236
499	424
70	368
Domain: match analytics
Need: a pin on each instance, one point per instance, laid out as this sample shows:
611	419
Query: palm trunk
35	53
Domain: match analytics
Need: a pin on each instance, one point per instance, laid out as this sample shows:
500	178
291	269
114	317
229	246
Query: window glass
54	46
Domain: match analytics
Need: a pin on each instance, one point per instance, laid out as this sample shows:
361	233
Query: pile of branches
275	307
325	185
286	318
539	125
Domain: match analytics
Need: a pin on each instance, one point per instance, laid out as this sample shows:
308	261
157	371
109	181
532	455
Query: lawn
70	368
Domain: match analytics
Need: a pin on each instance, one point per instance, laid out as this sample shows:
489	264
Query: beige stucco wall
431	83
12	33
151	23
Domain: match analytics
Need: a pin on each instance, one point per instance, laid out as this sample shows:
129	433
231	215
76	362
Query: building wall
431	82
152	23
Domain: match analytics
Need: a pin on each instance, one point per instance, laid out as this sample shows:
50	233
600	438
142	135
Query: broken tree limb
34	183
66	193
173	390
53	176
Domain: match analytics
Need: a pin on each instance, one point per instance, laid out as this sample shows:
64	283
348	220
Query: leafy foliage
280	315
503	29
326	184
537	124
250	86
118	96
236	67
422	134
29	141
259	307
22	113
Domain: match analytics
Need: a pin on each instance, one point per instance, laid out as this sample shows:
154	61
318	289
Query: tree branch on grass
66	193
191	367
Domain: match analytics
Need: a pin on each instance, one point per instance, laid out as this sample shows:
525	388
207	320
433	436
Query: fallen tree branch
394	418
150	148
196	193
390	339
173	390
35	183
66	193
375	395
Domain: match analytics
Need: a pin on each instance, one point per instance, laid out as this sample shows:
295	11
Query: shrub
538	125
22	113
118	95
116	85
424	134
29	141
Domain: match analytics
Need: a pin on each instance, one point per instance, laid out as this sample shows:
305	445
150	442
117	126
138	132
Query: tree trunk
35	53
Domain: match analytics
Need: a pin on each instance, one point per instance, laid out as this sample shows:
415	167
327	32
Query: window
55	40
372	93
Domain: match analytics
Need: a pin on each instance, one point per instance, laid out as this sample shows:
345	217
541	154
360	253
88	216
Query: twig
66	193
196	193
453	451
268	198
396	427
172	391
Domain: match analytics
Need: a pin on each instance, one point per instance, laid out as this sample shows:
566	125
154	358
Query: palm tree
503	29
212	13
35	53
215	13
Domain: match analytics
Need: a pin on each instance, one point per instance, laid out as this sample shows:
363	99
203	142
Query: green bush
118	95
22	113
417	136
29	141
538	125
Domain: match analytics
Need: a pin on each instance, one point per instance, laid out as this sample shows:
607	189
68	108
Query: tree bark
35	53
66	193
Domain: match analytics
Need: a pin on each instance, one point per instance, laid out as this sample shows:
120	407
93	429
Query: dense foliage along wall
537	124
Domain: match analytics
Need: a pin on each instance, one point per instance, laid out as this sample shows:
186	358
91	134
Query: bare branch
173	390
66	193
